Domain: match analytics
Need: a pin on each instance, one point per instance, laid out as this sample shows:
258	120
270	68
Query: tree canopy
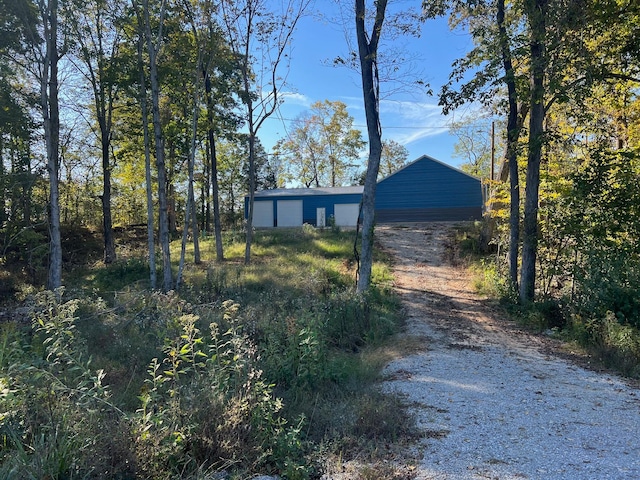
323	148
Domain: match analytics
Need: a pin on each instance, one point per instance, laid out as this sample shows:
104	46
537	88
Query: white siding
346	214
289	213
263	214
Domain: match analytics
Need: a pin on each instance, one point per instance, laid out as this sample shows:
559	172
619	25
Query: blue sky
410	117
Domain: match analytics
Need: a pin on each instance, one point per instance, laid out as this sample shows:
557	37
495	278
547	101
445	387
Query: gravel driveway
491	401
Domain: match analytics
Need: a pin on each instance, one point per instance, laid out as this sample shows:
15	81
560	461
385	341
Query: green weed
183	383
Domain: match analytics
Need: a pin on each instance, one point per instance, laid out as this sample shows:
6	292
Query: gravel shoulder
491	401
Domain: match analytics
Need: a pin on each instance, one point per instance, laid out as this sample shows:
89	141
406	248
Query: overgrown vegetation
263	368
589	259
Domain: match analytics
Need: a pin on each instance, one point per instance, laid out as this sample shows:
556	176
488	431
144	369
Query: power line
423	127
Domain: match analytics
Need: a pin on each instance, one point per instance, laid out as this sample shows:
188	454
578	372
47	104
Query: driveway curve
491	401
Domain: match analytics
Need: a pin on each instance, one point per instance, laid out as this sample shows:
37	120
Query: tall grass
247	369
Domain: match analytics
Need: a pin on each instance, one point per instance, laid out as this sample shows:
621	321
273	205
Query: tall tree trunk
231	211
213	168
172	214
332	160
51	119
252	187
206	190
511	151
217	223
197	259
107	223
3	186
536	12
368	51
27	184
151	244
189	210
163	218
103	100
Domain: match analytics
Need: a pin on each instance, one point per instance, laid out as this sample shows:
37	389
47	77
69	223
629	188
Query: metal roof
427	157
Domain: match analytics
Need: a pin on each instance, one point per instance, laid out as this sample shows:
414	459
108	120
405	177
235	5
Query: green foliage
605	202
183	384
26	249
57	419
8	286
588	258
490	279
295	350
121	274
465	244
609	342
394	156
303	340
322	146
238	420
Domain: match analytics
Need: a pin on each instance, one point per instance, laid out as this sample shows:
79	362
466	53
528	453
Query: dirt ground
435	290
493	401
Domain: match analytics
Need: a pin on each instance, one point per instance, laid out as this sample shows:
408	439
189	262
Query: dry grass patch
399	346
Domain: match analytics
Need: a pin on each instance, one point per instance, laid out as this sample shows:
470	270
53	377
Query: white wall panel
346	214
289	213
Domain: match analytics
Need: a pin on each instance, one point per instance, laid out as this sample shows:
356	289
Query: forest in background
118	118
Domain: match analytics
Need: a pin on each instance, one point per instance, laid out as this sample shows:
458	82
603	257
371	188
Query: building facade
423	190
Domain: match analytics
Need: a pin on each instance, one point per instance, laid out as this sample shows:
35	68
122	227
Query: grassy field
265	368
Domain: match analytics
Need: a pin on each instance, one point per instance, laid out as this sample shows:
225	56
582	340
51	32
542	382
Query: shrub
489	279
542	315
55	411
122	273
238	420
614	344
25	248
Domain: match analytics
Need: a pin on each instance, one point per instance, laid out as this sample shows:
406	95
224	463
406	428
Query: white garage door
289	213
346	214
263	214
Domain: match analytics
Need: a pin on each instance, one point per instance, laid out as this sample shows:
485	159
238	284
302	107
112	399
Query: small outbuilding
423	190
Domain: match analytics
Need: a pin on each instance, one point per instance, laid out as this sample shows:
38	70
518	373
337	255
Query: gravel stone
494	401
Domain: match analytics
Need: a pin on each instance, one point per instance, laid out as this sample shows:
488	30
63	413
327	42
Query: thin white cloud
410	110
407	122
295	98
353	102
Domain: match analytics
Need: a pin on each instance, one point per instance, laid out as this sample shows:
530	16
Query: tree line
145	113
562	76
172	93
126	113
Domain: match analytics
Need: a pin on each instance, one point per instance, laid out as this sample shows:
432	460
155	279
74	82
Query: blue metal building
290	207
428	190
423	190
